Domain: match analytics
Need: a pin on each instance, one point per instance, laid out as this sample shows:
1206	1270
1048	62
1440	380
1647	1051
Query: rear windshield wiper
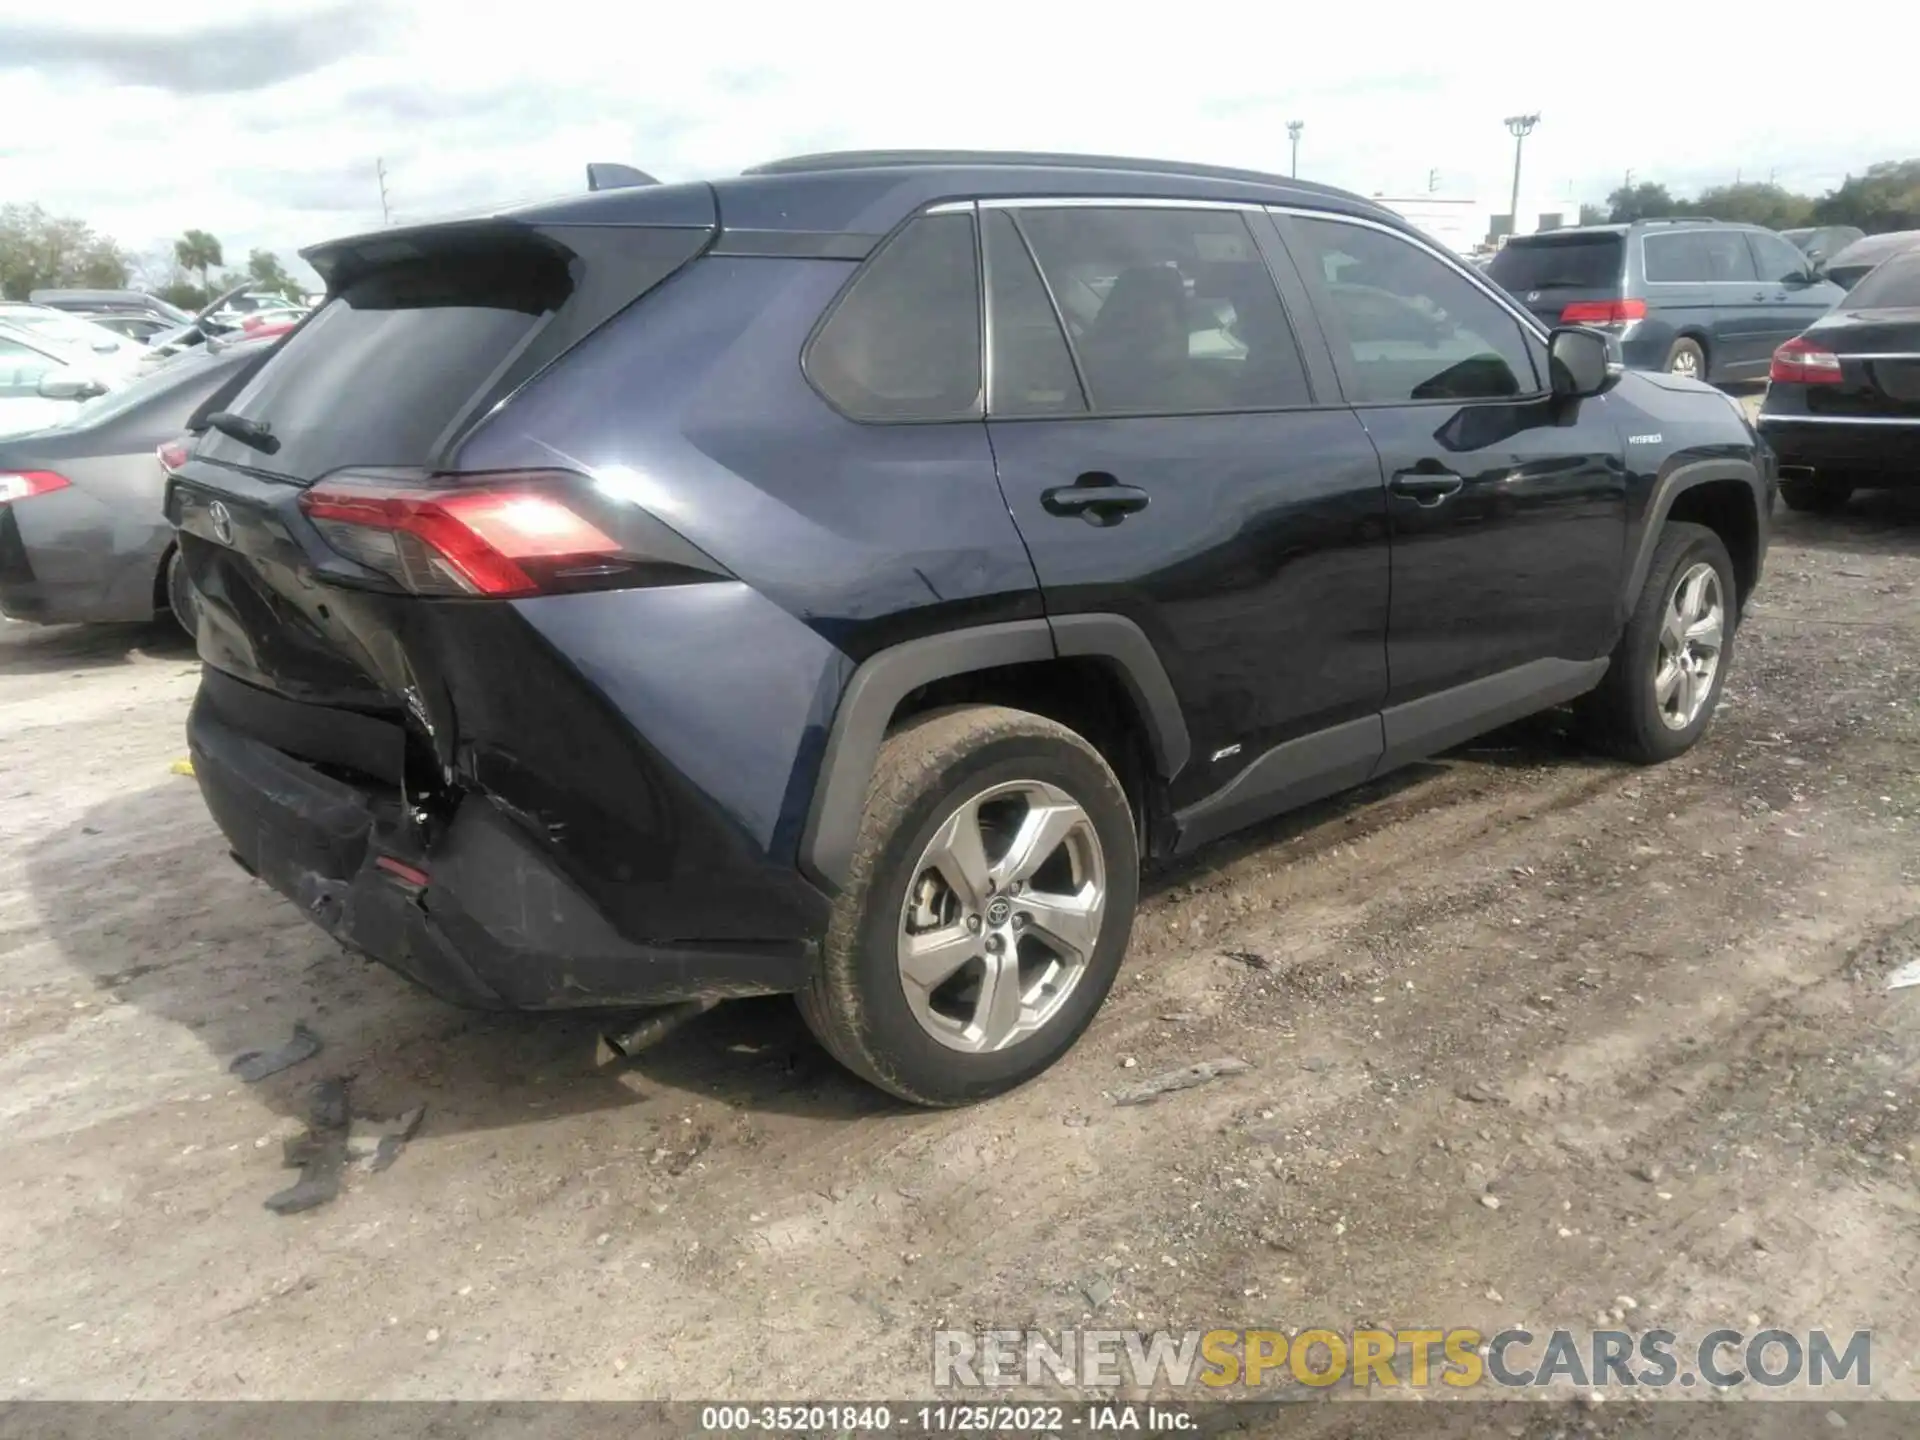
256	433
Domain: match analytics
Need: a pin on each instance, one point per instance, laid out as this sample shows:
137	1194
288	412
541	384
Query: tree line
1886	197
40	251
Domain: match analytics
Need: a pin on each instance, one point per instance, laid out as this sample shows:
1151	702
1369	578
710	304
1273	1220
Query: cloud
224	58
262	120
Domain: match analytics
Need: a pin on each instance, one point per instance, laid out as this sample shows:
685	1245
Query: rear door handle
1426	487
1095	497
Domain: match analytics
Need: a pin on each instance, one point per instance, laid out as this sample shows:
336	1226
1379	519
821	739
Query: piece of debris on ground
254	1066
1152	1088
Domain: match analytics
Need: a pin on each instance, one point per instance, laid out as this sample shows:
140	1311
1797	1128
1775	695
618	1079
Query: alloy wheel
1692	632
1002	915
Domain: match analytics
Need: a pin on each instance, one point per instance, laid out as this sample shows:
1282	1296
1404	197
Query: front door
1165	456
1506	506
1794	298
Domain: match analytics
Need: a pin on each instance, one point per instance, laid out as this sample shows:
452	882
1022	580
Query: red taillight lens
1603	312
172	455
1801	362
505	536
25	484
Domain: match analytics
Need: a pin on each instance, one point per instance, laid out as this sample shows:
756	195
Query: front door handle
1426	487
1095	497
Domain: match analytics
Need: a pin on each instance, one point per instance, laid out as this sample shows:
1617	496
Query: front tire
1687	357
1666	674
994	881
1819	495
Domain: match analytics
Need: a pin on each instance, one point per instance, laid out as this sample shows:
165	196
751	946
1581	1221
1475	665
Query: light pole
1294	127
1518	126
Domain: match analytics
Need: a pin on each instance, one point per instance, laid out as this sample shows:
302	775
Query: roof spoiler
608	176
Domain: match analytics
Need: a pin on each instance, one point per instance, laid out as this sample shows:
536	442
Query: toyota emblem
222	523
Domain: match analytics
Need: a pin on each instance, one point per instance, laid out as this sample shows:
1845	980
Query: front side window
1168	311
1411	326
22	368
903	343
1779	259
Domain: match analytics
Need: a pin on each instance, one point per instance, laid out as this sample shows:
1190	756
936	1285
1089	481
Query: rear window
379	375
1573	262
1892	286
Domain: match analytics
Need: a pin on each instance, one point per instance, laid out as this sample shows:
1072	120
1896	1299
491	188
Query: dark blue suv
1696	297
839	579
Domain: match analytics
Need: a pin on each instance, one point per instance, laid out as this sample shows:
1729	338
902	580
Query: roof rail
878	159
1681	220
606	175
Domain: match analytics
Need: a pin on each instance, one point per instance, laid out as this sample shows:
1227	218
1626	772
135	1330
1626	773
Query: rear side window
903	343
1698	257
1412	327
1033	372
1895	284
1573	262
1169	312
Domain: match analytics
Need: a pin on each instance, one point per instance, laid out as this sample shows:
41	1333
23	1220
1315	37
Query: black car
1696	297
1820	243
1843	400
839	579
1853	264
83	537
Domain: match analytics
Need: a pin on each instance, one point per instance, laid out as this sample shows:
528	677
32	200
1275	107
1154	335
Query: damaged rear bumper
495	925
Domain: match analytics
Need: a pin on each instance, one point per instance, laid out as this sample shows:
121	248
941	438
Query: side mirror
1580	362
69	385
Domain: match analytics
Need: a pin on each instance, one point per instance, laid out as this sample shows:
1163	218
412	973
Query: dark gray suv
1696	297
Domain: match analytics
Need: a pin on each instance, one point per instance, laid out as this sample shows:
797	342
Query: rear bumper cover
1892	451
497	926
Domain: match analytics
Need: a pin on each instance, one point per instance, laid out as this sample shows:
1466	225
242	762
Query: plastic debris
1907	976
1149	1090
181	767
253	1066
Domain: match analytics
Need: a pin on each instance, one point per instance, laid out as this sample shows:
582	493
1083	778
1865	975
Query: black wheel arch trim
1676	477
883	680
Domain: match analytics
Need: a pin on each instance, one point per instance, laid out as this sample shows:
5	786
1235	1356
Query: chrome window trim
1766	419
1111	202
1527	322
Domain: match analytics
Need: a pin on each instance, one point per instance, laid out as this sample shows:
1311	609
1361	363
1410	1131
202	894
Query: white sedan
42	384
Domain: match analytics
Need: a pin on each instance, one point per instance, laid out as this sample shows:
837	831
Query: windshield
1894	285
1571	262
69	329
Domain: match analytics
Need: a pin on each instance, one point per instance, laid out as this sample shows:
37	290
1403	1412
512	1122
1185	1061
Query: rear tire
182	603
1820	495
957	792
1657	696
1687	357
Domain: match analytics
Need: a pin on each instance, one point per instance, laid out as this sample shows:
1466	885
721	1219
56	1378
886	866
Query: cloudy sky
262	120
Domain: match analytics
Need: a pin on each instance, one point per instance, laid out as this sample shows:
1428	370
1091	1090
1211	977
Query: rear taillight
18	485
1801	362
172	455
1603	312
496	535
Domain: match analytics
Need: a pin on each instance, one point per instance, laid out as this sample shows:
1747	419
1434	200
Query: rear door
1547	273
1171	456
1702	281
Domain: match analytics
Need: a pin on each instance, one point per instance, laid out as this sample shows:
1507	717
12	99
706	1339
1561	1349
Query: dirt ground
1520	972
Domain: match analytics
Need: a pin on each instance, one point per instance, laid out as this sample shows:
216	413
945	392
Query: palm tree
197	250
